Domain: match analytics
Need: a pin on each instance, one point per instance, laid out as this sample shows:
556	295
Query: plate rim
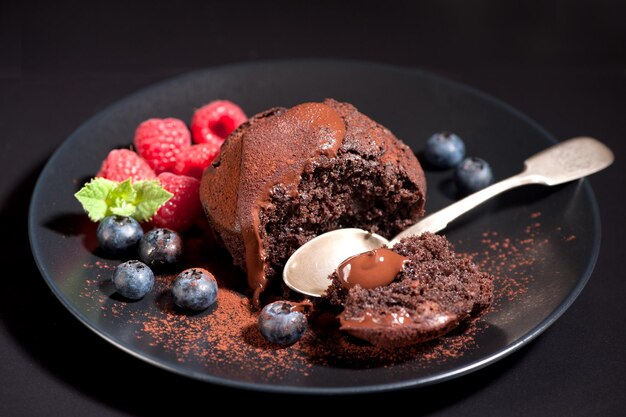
292	389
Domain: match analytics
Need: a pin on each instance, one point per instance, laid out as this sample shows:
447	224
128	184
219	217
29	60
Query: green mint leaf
101	198
94	195
122	200
150	197
124	209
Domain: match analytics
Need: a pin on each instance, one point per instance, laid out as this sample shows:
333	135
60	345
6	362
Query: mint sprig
141	199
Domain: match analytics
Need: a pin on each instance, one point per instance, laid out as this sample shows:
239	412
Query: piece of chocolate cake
431	291
288	175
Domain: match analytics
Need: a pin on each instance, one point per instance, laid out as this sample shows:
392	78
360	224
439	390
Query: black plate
541	242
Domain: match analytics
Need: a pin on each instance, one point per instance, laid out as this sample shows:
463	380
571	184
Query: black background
563	63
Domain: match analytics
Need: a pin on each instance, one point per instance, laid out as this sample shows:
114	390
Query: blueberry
472	174
118	234
160	247
194	289
444	150
281	323
133	279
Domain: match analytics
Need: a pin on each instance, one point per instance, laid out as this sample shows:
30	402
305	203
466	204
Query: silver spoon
307	270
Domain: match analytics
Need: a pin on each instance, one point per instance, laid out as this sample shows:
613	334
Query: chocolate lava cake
434	291
288	175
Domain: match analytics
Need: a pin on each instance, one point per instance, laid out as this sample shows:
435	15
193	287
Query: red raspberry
121	164
159	141
213	122
194	160
180	211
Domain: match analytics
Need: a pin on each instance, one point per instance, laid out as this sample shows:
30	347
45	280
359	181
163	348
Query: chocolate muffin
433	291
288	175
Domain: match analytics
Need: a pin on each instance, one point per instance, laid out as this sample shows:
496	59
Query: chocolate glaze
370	320
317	130
273	150
275	147
371	269
397	329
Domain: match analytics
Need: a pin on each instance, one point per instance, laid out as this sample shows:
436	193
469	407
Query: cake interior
347	191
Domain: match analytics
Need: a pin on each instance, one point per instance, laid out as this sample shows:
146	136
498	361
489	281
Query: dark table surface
561	63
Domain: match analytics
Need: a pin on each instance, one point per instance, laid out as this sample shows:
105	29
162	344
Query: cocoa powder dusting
227	332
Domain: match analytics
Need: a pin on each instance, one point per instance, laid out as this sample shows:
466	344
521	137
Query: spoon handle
566	161
440	219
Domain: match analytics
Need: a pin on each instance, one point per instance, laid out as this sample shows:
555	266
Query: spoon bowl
308	269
